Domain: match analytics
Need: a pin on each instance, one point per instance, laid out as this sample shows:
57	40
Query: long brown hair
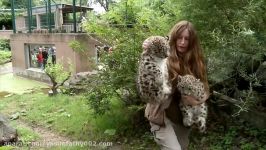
192	61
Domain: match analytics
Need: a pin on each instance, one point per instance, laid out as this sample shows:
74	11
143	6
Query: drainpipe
46	11
29	15
49	14
13	16
74	16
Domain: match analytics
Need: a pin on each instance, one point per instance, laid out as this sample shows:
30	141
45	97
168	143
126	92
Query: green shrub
57	74
5	56
233	44
4	44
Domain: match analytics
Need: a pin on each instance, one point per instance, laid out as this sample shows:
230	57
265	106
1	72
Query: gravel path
47	138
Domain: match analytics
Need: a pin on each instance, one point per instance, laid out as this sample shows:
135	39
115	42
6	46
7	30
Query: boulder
79	82
7	133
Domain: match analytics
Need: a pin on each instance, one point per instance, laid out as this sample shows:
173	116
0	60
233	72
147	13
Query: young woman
185	58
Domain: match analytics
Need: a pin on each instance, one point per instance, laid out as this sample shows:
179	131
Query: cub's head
157	46
189	85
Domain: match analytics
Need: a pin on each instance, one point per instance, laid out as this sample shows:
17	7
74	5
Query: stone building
55	35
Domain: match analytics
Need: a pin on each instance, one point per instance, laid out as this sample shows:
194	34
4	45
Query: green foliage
26	135
229	40
99	100
114	121
5	56
5	4
136	21
81	125
4	44
232	35
57	74
5	19
240	135
77	46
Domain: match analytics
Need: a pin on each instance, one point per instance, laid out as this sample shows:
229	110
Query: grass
5	56
18	85
26	134
71	116
62	113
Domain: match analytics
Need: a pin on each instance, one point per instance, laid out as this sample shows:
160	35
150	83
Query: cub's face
157	46
189	85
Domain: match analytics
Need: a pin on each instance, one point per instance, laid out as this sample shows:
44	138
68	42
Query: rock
7	133
15	116
51	93
82	76
79	82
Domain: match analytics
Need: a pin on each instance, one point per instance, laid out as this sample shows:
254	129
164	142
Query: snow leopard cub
152	81
189	85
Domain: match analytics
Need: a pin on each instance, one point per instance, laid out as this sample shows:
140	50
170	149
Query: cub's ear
145	45
167	37
179	78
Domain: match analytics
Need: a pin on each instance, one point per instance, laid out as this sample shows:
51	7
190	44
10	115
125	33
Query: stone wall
5	34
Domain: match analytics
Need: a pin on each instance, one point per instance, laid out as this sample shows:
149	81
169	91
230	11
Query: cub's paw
167	90
187	122
201	124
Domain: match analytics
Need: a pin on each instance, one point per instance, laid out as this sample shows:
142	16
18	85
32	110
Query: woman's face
182	41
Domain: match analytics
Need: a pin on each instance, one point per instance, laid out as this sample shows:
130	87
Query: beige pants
171	136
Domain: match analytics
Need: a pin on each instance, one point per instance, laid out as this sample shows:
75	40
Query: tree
57	75
5	4
124	26
232	42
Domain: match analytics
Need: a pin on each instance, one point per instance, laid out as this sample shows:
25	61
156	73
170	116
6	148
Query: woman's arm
190	100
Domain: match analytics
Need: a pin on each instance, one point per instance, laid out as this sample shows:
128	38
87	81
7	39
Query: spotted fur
152	81
189	85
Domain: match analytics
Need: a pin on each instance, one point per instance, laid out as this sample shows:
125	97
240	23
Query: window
41	54
44	20
33	22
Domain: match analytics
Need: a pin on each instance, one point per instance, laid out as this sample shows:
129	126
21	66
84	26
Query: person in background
52	53
3	27
45	57
40	58
33	58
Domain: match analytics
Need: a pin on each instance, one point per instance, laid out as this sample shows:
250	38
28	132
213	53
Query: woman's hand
190	100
